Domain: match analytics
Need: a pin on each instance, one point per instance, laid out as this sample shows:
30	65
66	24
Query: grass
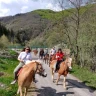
85	76
7	68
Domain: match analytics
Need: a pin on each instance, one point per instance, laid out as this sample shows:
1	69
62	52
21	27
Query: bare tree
72	23
74	17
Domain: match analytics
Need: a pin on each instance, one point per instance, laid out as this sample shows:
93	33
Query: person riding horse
59	58
45	51
23	57
52	53
41	53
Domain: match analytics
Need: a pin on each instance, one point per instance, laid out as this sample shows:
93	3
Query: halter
37	66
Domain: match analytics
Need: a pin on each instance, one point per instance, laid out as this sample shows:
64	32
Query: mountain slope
30	22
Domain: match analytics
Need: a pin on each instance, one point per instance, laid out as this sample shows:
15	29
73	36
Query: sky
13	7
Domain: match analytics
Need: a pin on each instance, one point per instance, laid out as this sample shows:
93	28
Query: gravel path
45	86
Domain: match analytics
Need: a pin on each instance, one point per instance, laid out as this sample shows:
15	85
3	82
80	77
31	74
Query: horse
27	74
63	70
35	52
46	58
51	58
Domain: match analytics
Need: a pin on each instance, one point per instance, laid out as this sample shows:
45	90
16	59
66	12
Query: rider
52	51
46	51
23	57
59	57
41	53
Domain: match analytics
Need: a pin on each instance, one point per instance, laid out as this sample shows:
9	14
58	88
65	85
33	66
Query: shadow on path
48	91
80	85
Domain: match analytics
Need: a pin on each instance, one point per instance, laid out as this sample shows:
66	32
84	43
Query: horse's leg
25	91
43	59
64	82
52	71
21	91
58	78
46	61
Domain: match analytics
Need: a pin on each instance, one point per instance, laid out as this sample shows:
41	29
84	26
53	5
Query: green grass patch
85	75
12	52
7	67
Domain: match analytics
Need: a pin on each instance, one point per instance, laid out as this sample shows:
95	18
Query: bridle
37	68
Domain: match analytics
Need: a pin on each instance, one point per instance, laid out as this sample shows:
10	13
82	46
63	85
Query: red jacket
59	56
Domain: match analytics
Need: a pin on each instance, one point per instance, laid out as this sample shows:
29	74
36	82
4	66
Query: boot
13	82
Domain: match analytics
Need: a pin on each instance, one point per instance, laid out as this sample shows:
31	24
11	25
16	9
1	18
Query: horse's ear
36	62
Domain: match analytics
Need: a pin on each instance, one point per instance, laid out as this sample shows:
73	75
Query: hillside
41	26
32	23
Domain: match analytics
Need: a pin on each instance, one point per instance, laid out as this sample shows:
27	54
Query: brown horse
63	70
52	57
46	58
26	76
35	52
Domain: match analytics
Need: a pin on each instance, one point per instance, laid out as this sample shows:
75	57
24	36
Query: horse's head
40	70
68	61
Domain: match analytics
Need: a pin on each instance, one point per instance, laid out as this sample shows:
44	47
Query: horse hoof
65	88
56	83
53	81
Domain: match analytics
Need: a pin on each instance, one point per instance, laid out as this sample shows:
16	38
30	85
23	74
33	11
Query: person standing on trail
23	57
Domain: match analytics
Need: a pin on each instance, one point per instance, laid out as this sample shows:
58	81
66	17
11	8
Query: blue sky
12	7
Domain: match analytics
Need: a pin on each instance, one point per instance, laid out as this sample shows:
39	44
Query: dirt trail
45	86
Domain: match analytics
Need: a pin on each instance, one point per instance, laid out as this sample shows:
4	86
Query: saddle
19	71
58	65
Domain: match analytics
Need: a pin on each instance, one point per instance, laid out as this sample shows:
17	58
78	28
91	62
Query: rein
36	67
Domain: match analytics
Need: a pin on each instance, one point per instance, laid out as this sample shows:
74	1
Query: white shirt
52	51
25	56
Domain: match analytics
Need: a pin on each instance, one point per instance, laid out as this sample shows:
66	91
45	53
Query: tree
72	23
4	42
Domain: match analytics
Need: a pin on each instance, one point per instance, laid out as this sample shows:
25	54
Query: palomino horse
63	70
35	51
26	76
46	58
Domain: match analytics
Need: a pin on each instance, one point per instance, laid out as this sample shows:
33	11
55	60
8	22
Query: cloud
5	1
12	7
23	9
53	7
4	11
